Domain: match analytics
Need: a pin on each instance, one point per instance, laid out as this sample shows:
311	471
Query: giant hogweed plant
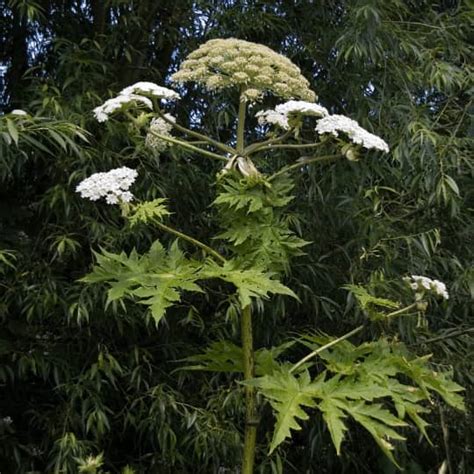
379	384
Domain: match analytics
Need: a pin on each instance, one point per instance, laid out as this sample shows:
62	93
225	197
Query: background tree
77	380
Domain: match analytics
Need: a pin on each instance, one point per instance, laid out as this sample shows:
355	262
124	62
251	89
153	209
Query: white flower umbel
283	114
152	89
271	117
120	102
18	112
161	127
252	68
422	284
301	107
334	124
113	185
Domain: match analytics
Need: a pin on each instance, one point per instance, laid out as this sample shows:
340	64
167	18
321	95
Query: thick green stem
192	240
251	421
204	138
398	312
303	162
326	346
188	146
259	145
241	126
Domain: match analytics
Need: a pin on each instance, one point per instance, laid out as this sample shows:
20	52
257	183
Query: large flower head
150	89
253	68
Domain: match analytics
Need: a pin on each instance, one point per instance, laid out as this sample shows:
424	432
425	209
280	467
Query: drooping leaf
251	283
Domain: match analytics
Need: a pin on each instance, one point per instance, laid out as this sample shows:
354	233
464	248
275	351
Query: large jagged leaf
224	356
288	394
254	225
155	279
334	417
252	283
371	304
252	196
385	376
379	422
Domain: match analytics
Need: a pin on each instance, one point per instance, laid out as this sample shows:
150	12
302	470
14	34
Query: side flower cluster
132	96
120	102
422	284
289	113
161	127
334	124
113	185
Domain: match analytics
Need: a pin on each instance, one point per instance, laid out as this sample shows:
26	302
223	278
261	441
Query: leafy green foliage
364	380
251	283
224	356
254	224
402	69
155	279
372	305
146	212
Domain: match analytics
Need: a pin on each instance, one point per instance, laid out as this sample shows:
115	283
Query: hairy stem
251	421
188	146
398	312
259	145
326	346
192	133
290	146
303	162
192	240
250	436
241	126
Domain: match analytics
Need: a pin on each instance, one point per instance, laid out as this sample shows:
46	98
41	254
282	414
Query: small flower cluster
18	112
113	185
120	102
283	114
161	127
272	117
421	284
334	124
223	63
131	96
151	89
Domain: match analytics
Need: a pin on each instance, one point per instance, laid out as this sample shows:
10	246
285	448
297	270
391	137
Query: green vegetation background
77	379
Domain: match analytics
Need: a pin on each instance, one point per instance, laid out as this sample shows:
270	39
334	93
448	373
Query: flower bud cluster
289	113
112	185
422	284
131	96
253	68
334	124
161	127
